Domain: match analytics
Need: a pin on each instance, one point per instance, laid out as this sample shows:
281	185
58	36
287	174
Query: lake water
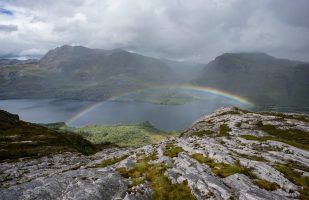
165	117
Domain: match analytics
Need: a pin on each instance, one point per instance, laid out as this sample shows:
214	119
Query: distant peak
66	46
118	50
247	56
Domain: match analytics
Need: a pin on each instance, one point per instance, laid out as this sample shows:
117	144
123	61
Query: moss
292	175
137	181
152	156
238	124
232	112
224	130
296	165
253	157
224	170
292	137
161	186
111	161
172	150
220	169
285	116
203	133
266	184
260	139
296	178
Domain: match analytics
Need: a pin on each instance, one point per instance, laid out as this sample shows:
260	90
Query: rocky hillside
264	79
230	154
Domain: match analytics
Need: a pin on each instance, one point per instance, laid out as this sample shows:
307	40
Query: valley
80	73
122	135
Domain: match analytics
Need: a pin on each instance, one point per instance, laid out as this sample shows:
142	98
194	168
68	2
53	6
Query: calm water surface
165	117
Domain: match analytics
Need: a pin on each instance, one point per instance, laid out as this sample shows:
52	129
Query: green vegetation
130	135
292	137
285	116
297	178
224	130
253	157
266	184
224	170
21	139
238	124
161	186
230	113
111	161
260	139
203	133
220	169
172	150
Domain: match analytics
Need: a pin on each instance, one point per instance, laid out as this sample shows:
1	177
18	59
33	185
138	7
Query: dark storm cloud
196	30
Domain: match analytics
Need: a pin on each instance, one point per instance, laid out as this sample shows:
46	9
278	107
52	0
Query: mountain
5	61
96	64
24	139
230	154
78	72
263	79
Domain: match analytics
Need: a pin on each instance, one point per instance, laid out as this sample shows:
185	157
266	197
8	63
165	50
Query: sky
185	30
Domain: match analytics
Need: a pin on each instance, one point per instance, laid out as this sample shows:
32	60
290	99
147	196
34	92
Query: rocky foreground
230	154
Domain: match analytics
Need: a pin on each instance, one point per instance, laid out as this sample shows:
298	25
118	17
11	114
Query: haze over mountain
83	73
262	78
76	72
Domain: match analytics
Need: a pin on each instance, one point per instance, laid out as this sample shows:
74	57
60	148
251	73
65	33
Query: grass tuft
161	186
203	133
111	161
296	178
224	130
220	169
266	184
172	150
255	138
224	170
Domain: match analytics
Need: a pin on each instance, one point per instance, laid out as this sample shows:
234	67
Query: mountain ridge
264	79
77	72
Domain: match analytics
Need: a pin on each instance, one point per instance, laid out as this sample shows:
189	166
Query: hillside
264	79
123	135
76	72
230	154
23	139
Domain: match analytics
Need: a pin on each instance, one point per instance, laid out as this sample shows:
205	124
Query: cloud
190	30
8	28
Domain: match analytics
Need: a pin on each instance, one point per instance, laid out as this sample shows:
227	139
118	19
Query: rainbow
203	89
220	93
